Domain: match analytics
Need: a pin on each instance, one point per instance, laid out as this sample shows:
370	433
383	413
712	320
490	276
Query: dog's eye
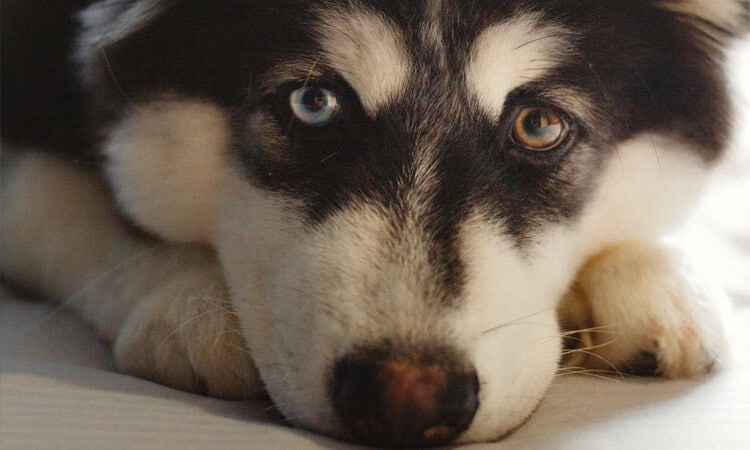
539	129
314	106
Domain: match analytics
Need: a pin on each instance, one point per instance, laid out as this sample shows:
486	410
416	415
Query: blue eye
314	106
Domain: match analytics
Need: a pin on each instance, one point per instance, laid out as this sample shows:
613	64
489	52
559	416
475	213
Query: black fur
42	101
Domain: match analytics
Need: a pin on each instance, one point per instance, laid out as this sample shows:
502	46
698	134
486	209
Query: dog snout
395	402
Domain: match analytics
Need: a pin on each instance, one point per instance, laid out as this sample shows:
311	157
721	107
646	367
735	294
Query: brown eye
539	129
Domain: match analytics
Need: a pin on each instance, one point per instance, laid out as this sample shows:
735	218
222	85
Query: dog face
401	192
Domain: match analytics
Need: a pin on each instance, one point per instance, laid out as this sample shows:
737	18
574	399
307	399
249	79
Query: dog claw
644	364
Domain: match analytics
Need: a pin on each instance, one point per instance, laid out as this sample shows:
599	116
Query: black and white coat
227	243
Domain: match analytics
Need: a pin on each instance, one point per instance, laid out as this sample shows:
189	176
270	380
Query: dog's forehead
380	49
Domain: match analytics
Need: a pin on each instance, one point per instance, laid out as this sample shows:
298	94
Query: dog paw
184	334
642	310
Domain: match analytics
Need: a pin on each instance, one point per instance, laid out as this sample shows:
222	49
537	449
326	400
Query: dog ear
721	20
106	22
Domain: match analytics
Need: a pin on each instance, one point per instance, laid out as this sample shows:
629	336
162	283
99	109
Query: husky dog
396	218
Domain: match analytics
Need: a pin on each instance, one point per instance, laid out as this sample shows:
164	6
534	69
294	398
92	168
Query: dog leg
165	307
642	309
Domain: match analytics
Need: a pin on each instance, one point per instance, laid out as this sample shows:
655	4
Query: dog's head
401	192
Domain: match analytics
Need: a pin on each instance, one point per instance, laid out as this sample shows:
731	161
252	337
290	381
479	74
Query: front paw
184	334
641	309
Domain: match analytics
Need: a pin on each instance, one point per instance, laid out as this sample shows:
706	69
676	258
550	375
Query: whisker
308	78
605	361
532	41
66	303
599	329
207	313
112	75
598	374
515	321
590	347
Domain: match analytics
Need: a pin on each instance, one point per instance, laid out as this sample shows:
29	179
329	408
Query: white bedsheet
58	389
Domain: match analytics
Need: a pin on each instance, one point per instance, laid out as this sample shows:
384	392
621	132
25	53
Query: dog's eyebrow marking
368	50
513	53
300	70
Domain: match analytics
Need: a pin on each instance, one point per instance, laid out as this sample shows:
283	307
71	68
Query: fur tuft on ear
720	20
106	22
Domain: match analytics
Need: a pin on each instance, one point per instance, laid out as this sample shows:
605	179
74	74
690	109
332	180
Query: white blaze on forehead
368	50
511	54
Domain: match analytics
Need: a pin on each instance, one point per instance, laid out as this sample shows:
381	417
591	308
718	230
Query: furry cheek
164	160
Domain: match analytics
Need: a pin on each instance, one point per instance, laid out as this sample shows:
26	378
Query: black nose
392	402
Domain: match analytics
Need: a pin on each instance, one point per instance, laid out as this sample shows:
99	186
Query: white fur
729	15
510	54
164	162
508	321
645	190
367	50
